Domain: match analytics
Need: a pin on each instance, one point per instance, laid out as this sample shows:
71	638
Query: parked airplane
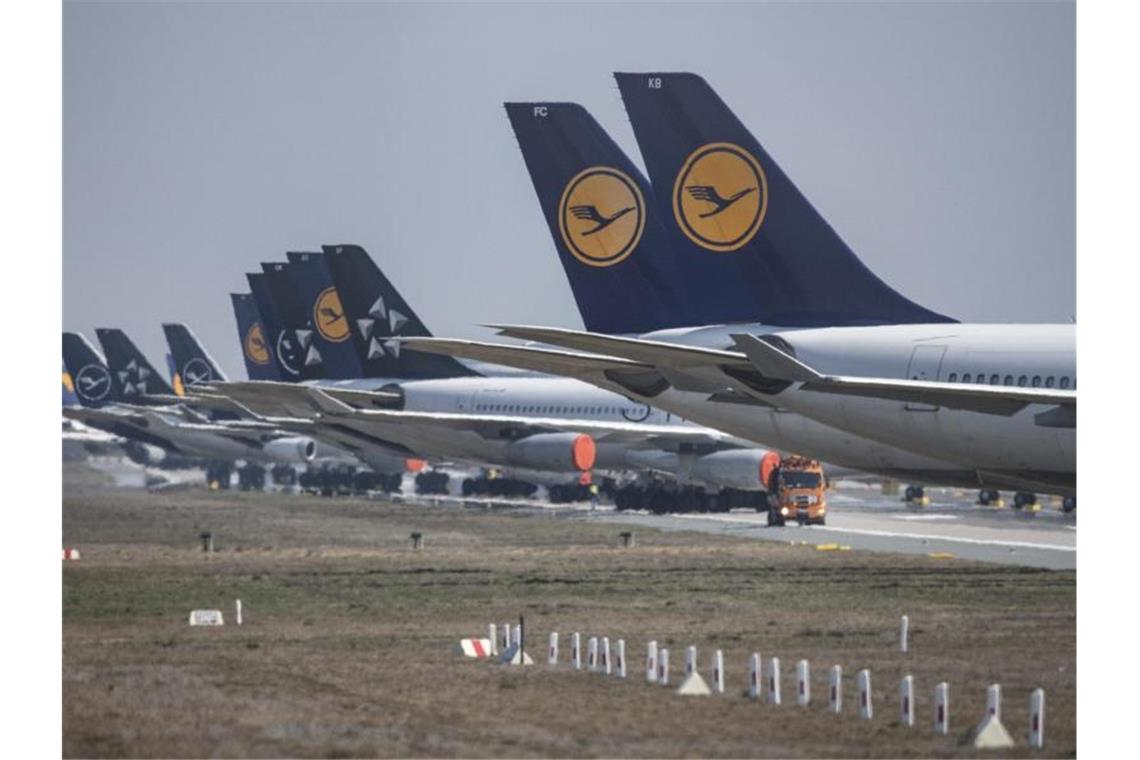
784	266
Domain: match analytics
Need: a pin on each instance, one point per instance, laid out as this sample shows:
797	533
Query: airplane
449	411
123	397
774	284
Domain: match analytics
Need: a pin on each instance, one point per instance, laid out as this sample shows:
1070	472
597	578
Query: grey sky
200	140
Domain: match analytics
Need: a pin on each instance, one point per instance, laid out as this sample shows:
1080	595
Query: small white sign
206	617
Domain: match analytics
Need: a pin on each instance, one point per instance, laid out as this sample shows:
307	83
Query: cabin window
994	379
1049	382
953	377
966	378
1022	381
1008	380
1065	381
1037	381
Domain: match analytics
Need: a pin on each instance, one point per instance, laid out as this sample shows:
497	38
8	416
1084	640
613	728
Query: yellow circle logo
601	216
328	316
254	344
720	197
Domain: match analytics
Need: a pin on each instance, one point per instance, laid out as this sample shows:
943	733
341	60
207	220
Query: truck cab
798	492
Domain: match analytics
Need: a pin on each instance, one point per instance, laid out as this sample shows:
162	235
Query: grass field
346	647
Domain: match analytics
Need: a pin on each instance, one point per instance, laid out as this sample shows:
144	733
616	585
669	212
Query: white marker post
906	701
592	654
904	634
237	611
663	666
620	659
993	700
690	659
516	636
863	682
718	672
505	637
604	656
1037	719
754	675
576	651
651	663
552	650
835	689
773	680
493	637
803	683
942	708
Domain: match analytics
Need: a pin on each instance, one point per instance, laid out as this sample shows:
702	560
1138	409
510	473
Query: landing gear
432	482
218	475
251	477
1068	504
483	486
916	496
987	497
562	494
284	475
775	519
1026	500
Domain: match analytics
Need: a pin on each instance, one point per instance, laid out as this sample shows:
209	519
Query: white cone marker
754	675
993	700
718	672
863	683
237	611
904	634
906	701
493	637
604	656
773	680
619	659
592	654
835	689
690	659
663	666
576	651
651	662
1037	719
552	649
942	708
803	683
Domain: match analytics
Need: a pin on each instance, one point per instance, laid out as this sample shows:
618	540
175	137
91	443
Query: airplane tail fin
378	316
89	374
599	208
190	364
255	348
296	343
133	374
735	211
326	321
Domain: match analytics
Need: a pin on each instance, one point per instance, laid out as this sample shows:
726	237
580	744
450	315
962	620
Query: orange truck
797	491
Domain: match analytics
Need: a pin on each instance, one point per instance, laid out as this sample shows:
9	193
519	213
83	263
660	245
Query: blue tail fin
377	315
326	319
280	341
255	349
134	376
298	342
191	364
739	216
599	208
89	374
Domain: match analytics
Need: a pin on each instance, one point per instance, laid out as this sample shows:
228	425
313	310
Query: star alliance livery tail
296	345
600	211
191	365
760	252
326	322
255	350
377	316
89	374
134	376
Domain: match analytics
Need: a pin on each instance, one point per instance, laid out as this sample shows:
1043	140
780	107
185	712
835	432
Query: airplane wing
988	399
267	398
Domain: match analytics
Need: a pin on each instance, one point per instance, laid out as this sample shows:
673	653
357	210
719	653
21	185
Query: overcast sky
202	139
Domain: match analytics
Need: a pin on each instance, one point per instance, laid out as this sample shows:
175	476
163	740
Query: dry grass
346	647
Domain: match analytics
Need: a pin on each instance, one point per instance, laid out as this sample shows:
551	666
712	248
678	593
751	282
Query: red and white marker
773	680
863	683
803	683
835	689
475	647
754	675
942	708
71	554
1037	719
906	701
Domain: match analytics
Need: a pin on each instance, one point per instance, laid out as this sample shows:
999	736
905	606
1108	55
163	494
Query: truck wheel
1068	504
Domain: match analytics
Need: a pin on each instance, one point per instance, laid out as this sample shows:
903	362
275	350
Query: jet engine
559	452
291	450
743	469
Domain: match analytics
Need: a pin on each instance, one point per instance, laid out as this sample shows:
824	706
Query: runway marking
924	517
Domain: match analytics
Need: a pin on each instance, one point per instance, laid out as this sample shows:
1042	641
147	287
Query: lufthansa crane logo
720	197
601	216
93	382
328	316
255	349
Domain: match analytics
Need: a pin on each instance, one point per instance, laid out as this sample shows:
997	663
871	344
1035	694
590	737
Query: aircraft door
925	364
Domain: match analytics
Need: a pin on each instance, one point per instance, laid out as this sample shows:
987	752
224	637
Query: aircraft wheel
1068	504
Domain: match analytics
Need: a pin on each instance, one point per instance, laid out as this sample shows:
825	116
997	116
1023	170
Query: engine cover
558	452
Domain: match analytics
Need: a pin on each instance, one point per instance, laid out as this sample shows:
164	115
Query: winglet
772	362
